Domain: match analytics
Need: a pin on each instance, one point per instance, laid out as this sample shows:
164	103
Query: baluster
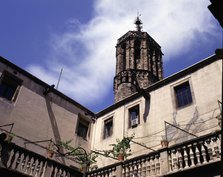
197	153
37	168
144	168
175	163
123	170
131	169
170	161
157	165
210	152
32	166
203	152
185	157
12	159
18	161
135	169
59	173
127	170
153	168
180	158
113	172
68	174
28	165
148	168
191	154
216	148
55	170
43	168
139	168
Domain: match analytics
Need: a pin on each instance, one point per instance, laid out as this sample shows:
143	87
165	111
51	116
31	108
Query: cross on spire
138	23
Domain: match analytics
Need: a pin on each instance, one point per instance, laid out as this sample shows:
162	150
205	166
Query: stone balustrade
108	171
184	156
194	153
187	155
27	162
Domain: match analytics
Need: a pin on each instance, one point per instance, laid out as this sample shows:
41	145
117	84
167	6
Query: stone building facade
184	107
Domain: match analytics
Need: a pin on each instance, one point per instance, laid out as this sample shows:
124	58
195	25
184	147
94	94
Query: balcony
198	154
17	161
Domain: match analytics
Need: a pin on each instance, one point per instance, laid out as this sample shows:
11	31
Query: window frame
85	123
136	109
11	82
107	121
174	95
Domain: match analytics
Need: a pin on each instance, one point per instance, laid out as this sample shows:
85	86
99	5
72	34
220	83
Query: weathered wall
37	117
198	118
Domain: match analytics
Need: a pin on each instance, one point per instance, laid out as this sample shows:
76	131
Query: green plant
122	147
79	154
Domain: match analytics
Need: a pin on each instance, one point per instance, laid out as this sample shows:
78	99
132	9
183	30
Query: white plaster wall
198	118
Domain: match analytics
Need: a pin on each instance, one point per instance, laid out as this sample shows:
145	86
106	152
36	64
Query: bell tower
138	62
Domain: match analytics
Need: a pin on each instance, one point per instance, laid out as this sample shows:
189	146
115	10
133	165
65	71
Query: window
137	51
108	127
9	86
82	128
134	116
183	94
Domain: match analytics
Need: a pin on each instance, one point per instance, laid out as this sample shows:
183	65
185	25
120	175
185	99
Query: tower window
123	56
9	86
82	128
183	94
134	116
137	50
108	127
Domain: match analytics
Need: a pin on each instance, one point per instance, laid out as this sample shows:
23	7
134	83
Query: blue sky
43	36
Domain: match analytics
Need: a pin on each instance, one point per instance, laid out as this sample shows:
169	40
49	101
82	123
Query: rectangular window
108	127
183	94
134	116
82	128
9	86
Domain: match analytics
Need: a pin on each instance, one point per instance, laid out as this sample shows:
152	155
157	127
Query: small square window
9	86
183	94
108	127
134	116
82	128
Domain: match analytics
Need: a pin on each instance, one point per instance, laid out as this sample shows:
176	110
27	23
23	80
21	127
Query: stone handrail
194	153
186	155
30	163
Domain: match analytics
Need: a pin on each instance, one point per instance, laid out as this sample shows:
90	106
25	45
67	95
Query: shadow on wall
53	122
147	108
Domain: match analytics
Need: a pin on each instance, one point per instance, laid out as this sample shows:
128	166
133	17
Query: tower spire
138	23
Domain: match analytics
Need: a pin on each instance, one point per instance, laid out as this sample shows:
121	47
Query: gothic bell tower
138	62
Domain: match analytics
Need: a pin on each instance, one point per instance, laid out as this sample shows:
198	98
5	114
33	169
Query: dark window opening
108	128
134	116
82	128
124	56
9	86
183	94
137	49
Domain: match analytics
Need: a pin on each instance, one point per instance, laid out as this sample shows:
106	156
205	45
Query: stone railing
187	155
27	162
108	171
194	153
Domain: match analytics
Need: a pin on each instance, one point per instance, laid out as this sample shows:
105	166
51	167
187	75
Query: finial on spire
138	22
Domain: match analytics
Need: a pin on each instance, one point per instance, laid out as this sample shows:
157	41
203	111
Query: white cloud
86	52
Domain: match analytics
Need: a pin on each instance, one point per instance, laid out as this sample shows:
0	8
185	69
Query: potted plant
50	150
121	149
164	142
